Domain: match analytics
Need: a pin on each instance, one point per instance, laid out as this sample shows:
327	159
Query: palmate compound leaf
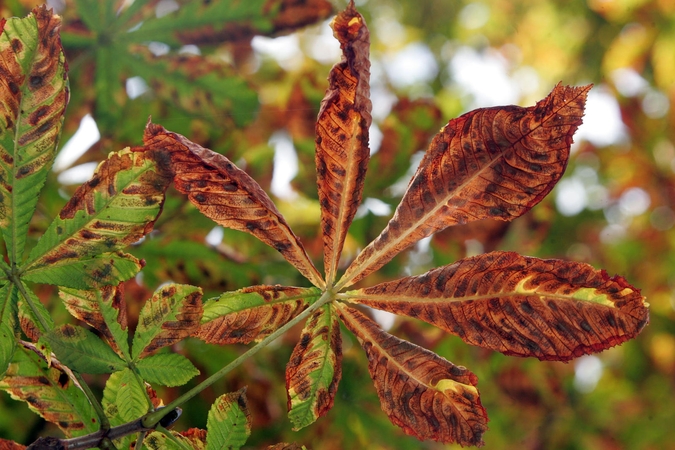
424	394
115	208
252	313
104	310
315	368
488	163
228	195
33	97
517	305
342	151
229	422
49	391
172	314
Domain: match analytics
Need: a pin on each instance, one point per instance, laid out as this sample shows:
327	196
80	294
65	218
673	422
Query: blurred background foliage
245	78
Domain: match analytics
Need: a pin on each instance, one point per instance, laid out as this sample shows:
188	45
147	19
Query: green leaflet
33	98
115	208
170	369
202	19
83	351
49	392
172	314
109	96
8	306
131	400
229	422
102	270
112	412
104	309
314	369
7	347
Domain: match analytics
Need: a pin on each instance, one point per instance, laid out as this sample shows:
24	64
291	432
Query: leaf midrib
378	254
392	360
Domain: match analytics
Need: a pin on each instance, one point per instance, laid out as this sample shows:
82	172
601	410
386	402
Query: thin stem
150	420
103	419
22	289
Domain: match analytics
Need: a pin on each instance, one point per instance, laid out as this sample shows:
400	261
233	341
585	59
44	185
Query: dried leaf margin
518	305
424	394
342	151
227	195
314	369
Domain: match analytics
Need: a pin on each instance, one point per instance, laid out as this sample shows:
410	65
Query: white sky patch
285	165
602	120
373	205
381	97
285	50
86	135
215	236
634	201
414	64
570	198
628	82
587	373
384	319
375	137
158	48
136	86
483	75
324	47
165	7
78	174
190	49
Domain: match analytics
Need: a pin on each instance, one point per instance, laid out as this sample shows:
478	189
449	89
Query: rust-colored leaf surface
342	151
315	368
426	395
227	195
10	445
489	163
252	313
517	305
172	314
